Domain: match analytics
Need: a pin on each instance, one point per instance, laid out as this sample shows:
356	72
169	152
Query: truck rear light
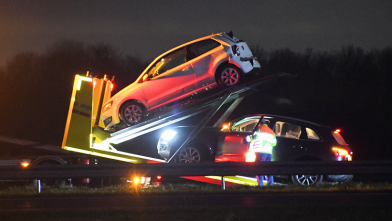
140	181
136	180
159	177
25	164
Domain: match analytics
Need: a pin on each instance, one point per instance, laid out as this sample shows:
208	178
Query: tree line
348	87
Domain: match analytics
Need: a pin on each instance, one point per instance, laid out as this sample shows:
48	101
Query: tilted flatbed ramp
84	132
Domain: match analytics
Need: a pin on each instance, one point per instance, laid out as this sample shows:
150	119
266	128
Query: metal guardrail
200	169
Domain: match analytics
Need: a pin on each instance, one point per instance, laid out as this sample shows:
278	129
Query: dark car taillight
342	154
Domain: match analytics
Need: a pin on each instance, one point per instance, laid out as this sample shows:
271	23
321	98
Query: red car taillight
342	153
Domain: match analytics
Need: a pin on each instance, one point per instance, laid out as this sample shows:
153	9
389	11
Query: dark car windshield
245	125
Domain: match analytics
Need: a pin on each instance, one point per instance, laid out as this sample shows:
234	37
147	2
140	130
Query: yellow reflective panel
237	179
81	78
77	150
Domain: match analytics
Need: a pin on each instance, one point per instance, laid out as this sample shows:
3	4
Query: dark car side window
288	130
167	62
199	48
312	135
245	125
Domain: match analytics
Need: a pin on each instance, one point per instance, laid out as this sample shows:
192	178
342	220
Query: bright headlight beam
168	134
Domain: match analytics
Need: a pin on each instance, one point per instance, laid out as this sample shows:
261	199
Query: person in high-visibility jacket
262	142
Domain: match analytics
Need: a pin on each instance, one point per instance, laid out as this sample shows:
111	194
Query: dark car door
290	144
234	146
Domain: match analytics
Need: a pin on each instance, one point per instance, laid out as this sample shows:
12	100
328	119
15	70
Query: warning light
225	127
159	177
25	164
136	180
111	87
337	131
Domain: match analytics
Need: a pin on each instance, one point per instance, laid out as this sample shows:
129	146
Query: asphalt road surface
194	200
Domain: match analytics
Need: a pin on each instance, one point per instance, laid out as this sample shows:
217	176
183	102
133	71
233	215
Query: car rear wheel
132	112
229	76
307	180
190	155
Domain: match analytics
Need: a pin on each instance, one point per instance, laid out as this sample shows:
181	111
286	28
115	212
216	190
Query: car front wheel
132	113
190	155
229	76
307	180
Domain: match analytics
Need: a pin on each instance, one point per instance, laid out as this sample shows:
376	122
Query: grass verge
193	188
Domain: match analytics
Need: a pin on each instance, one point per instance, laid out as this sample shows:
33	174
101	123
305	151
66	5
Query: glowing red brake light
159	177
339	152
337	131
343	153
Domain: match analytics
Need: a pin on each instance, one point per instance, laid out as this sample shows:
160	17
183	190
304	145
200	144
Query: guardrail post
223	183
39	186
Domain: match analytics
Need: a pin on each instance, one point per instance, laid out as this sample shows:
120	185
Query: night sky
149	28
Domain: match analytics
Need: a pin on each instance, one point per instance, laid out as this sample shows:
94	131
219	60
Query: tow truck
85	137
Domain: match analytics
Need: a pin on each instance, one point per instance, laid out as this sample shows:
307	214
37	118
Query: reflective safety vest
264	140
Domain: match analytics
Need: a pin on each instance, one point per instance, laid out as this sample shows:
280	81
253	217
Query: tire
229	76
132	113
307	180
190	155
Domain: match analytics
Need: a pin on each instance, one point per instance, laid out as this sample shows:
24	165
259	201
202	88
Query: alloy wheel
307	180
189	155
133	113
230	76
